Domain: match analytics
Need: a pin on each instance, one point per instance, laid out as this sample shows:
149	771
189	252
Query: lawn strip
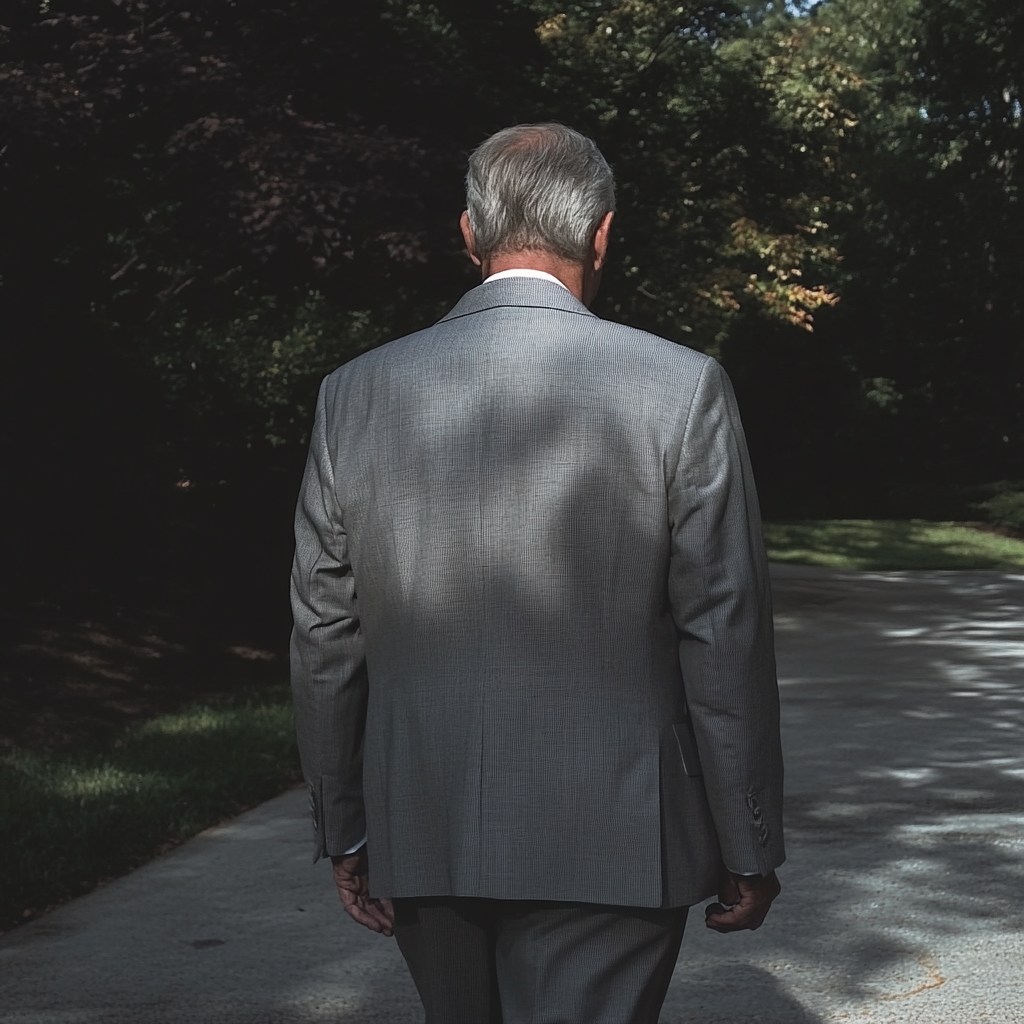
76	816
890	544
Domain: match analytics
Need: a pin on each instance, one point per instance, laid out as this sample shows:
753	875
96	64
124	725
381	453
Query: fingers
387	909
377	915
353	886
722	919
754	900
372	917
734	919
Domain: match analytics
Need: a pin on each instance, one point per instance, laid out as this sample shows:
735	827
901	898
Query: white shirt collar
541	275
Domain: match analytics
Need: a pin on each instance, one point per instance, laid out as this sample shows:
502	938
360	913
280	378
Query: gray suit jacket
533	652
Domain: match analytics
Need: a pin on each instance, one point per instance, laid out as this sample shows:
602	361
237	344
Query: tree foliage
933	234
724	143
239	197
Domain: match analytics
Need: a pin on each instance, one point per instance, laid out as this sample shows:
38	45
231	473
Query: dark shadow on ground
732	994
187	598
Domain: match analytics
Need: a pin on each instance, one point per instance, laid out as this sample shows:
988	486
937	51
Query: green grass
890	544
72	818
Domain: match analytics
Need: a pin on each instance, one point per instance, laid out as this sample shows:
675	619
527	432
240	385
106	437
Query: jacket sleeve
721	602
328	664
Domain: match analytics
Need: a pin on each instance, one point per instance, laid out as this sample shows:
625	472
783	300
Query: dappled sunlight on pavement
903	720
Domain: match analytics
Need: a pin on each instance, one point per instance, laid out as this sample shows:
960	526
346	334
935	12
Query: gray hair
537	186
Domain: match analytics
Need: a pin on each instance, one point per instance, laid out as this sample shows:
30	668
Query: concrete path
903	901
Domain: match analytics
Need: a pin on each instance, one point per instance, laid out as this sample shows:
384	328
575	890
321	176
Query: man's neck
569	273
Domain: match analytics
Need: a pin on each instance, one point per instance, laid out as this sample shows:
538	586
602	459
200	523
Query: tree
238	198
722	142
933	240
181	175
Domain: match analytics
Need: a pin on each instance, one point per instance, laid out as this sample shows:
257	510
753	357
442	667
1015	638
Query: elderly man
532	658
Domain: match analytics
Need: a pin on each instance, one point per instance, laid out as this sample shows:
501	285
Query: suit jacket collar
529	292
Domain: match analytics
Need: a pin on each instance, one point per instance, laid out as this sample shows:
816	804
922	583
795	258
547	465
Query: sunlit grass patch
890	544
72	818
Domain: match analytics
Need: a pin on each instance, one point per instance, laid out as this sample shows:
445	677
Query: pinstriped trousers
483	961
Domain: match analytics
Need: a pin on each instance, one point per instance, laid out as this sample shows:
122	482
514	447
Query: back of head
537	187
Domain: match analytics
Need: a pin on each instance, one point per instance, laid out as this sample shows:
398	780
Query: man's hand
746	902
352	877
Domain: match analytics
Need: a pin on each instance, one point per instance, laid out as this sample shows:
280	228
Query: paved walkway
903	709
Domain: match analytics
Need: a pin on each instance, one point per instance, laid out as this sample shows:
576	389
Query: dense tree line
208	206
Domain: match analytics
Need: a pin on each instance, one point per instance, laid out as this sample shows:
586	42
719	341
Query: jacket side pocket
688	749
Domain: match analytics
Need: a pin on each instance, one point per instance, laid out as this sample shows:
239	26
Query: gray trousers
481	961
